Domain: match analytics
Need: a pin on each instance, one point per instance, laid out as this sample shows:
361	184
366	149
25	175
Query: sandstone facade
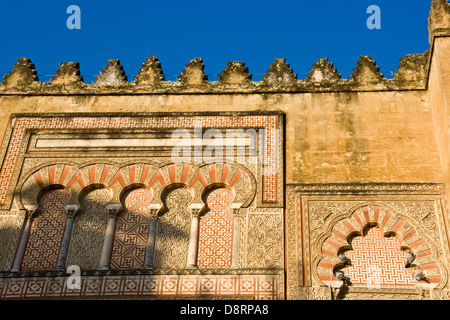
340	181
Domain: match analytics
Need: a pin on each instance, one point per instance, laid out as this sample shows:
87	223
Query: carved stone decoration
113	75
439	18
89	230
151	72
193	73
366	71
314	293
323	70
279	73
24	74
412	68
389	233
173	231
235	73
265	241
68	75
10	227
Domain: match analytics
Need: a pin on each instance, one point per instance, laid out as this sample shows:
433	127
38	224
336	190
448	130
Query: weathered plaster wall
333	137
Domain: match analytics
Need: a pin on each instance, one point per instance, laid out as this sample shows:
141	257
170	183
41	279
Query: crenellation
193	73
23	75
279	73
413	68
323	77
235	73
323	71
112	75
366	71
68	75
151	73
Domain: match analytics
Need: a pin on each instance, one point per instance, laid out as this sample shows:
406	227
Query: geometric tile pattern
47	231
216	231
23	124
131	232
259	287
378	261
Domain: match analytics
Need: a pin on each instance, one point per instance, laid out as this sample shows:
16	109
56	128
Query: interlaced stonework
131	233
322	188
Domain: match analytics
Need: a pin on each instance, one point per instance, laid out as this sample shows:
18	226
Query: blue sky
252	31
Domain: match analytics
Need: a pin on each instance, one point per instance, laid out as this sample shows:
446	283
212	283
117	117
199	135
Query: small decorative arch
235	177
368	221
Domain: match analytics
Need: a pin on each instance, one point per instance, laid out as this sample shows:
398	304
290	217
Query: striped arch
237	178
70	177
197	179
57	175
129	177
390	224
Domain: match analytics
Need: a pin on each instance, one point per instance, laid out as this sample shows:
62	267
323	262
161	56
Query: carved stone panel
173	231
89	230
10	226
265	240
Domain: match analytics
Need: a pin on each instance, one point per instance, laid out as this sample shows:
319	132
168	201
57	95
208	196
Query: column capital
236	207
113	210
237	212
196	209
32	211
153	213
71	210
195	212
154	209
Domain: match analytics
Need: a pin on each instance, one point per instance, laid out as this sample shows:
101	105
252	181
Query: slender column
70	211
151	241
31	212
193	239
236	232
109	237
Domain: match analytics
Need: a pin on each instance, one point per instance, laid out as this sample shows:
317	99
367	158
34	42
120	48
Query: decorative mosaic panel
260	287
216	231
47	232
378	261
131	233
89	230
174	229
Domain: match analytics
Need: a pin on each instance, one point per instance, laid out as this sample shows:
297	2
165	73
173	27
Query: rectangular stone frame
17	135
